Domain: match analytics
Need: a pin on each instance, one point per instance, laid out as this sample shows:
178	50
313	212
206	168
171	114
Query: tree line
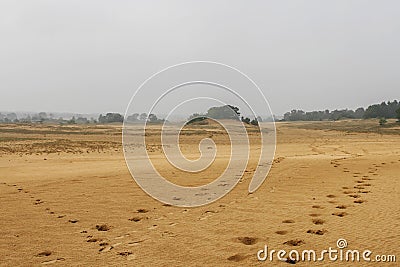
383	111
43	117
386	110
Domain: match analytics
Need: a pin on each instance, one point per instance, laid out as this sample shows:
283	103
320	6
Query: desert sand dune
68	199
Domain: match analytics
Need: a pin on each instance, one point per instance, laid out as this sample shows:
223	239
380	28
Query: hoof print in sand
45	253
288	221
125	253
38	201
317	232
106	249
237	257
103	227
247	240
142	211
135	219
294	242
93	240
318	221
281	232
317	207
340	214
290	261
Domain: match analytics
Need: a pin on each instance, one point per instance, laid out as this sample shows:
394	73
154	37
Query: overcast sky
90	56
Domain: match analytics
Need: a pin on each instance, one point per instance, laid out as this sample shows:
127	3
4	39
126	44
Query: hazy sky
90	56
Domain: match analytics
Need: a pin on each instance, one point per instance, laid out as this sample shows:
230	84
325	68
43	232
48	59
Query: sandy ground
68	199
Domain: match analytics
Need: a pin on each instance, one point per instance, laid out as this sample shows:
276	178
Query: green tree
246	120
196	117
12	116
72	121
153	118
42	115
143	117
224	112
383	110
254	122
134	117
382	121
398	114
81	120
111	117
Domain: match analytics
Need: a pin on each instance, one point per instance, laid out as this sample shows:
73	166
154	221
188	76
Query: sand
68	199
